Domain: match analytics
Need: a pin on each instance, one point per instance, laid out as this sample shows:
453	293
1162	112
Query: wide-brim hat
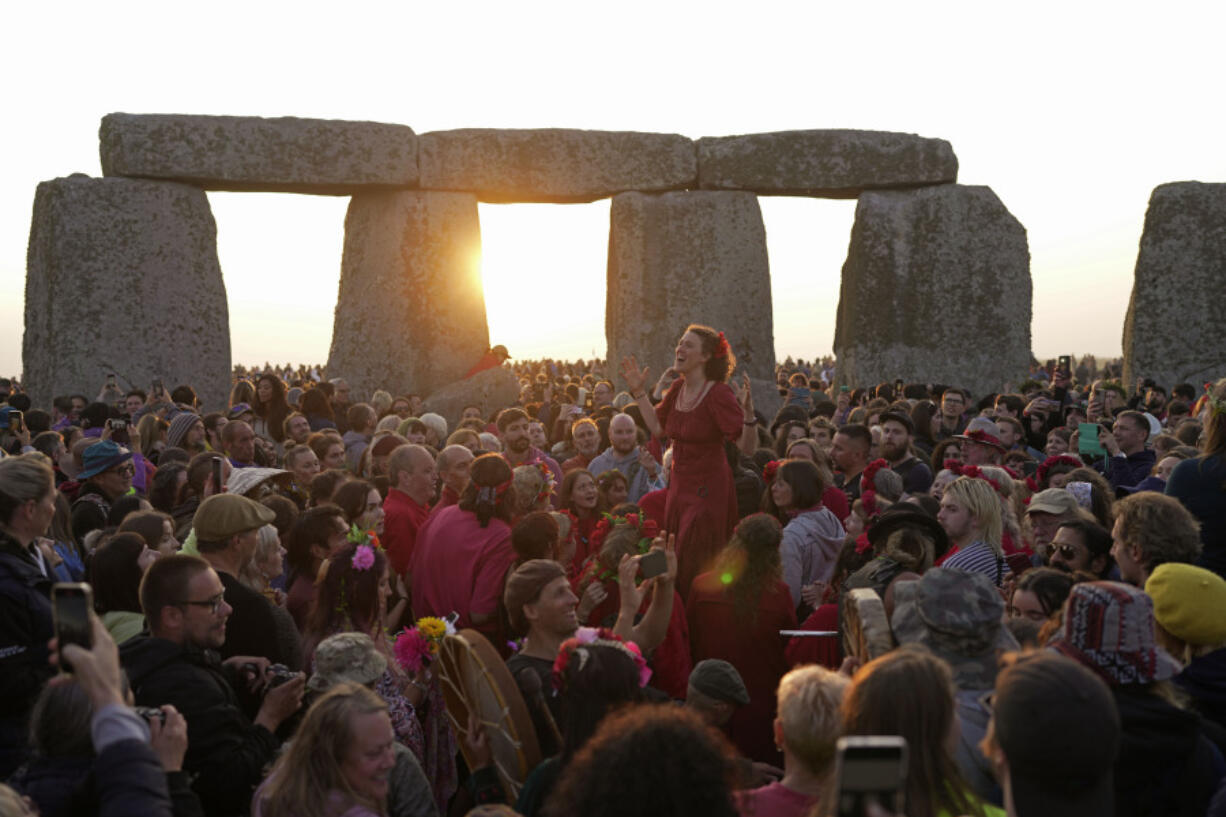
982	430
243	480
959	617
898	518
1109	627
102	456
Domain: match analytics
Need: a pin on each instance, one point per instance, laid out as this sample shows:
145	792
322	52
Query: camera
279	674
151	714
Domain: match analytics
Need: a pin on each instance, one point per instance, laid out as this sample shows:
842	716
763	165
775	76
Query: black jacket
226	751
1166	766
25	629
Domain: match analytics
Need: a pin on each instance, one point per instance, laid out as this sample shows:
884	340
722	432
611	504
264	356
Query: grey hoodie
810	547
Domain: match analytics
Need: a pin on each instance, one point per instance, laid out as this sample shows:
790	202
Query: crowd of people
683	589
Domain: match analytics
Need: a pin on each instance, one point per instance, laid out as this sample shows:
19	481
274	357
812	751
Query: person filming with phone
184	602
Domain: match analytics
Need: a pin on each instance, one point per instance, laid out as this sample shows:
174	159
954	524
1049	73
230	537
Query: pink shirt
458	565
773	800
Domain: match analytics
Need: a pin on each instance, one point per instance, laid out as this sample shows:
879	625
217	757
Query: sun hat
1109	627
102	456
243	480
346	657
957	615
1189	602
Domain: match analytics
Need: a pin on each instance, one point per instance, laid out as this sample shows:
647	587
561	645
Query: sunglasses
1068	552
124	470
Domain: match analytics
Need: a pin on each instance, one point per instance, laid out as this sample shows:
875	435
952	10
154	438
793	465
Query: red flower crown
721	348
1035	483
973	472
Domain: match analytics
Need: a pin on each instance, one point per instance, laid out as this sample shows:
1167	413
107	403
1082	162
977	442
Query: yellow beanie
1189	603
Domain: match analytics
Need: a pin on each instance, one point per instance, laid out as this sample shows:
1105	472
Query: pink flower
412	650
363	558
586	635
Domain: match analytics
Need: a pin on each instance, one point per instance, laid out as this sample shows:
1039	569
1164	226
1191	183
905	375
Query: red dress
701	507
756	650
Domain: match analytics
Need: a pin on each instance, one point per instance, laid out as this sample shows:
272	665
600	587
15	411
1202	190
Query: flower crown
973	472
418	646
575	649
1216	405
868	479
721	346
367	542
595	571
1035	483
770	471
548	483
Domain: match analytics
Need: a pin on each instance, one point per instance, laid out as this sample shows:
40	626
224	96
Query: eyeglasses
212	604
124	470
1066	551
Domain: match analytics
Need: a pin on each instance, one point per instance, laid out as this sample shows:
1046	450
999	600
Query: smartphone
110	381
119	431
157	388
653	564
844	389
217	484
1064	364
581	399
70	606
870	768
1087	439
16	421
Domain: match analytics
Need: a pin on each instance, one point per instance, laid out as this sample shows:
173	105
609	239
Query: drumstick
530	684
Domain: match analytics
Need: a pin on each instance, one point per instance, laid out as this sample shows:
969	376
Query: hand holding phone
870	770
71	605
653	564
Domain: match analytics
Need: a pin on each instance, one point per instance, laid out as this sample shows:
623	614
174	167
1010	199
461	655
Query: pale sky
1072	113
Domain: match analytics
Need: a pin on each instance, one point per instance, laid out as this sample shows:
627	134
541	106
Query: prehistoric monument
123	273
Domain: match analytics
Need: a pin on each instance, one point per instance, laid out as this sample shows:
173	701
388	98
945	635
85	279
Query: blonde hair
810	700
27	478
148	431
266	546
381	401
983	503
1012	508
528	482
308	773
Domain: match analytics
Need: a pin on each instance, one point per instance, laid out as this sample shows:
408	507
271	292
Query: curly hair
276	409
1160	526
718	369
750	564
649	760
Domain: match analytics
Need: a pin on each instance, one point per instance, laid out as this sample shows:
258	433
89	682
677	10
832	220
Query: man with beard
896	433
517	446
641	470
585	435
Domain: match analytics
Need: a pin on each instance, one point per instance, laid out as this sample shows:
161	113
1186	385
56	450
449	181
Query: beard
893	452
519	446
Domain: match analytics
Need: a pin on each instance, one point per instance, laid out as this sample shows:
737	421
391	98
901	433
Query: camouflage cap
957	615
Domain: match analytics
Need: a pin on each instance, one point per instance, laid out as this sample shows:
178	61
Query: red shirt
458	566
403	518
445	500
574	463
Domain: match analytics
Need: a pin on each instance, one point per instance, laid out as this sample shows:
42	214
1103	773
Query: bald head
623	433
454	463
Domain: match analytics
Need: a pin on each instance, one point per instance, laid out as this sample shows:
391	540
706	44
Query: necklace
681	402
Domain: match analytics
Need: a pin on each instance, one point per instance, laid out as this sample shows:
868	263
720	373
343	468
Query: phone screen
16	421
1065	365
871	769
217	484
1087	440
71	603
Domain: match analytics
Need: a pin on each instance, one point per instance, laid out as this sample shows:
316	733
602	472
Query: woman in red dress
735	613
698	414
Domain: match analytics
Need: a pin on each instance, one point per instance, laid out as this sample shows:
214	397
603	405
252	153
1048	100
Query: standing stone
1174	331
682	258
410	316
122	276
936	289
492	390
288	154
554	164
828	163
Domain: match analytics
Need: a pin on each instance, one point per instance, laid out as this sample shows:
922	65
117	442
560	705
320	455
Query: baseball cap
1055	501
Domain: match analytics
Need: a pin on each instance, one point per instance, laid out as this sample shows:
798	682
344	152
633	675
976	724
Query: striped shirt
979	557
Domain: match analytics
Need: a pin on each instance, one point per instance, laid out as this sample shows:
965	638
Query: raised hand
635	378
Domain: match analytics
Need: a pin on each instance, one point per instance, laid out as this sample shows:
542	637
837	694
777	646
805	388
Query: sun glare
543	270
